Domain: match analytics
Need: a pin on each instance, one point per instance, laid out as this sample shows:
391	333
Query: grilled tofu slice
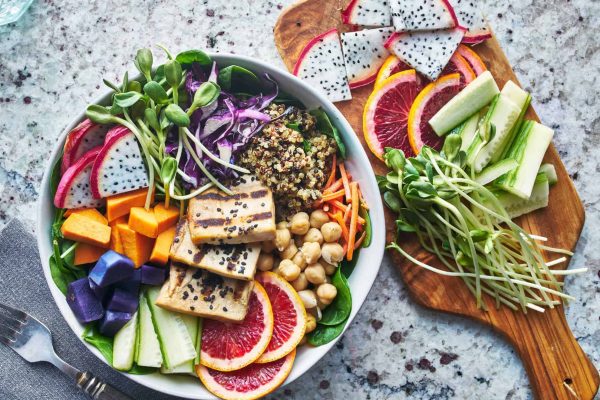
236	261
200	293
247	216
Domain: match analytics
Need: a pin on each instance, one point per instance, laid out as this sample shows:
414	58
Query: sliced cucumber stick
522	99
550	172
148	352
528	149
470	100
516	206
495	171
175	342
467	130
503	116
187	367
124	345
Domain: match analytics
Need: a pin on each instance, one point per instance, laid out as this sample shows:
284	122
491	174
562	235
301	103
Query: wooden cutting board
555	363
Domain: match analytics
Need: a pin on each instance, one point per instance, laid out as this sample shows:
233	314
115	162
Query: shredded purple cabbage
225	126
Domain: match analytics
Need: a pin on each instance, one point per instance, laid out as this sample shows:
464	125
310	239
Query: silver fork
32	340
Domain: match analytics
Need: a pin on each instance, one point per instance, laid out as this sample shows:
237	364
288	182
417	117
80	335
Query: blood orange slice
227	346
427	103
392	65
472	58
458	64
386	113
289	315
251	382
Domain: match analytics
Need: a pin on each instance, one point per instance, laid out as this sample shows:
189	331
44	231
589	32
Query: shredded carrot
360	240
334	186
343	207
347	213
333	196
353	221
339	219
333	171
345	181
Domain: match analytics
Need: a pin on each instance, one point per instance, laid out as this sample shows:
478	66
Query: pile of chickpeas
306	252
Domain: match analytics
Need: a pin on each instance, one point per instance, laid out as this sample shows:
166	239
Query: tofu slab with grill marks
246	216
200	293
236	261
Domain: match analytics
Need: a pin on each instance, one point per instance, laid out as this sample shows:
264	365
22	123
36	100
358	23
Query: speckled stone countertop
51	65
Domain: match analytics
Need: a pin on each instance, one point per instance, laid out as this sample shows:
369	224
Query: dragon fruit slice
117	130
364	54
470	16
321	64
73	190
369	13
423	15
80	140
119	166
428	51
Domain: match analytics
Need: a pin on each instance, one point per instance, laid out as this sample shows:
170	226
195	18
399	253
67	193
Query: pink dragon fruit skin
119	167
74	190
84	137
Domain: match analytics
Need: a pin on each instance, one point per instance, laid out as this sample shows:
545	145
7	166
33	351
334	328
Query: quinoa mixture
293	164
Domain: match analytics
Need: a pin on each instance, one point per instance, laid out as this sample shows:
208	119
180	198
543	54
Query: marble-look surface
51	65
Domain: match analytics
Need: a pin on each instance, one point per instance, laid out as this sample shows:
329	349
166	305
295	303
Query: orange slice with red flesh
230	346
289	315
477	65
426	105
392	65
386	112
458	64
249	383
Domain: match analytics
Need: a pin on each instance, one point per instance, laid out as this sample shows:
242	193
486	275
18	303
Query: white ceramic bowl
360	281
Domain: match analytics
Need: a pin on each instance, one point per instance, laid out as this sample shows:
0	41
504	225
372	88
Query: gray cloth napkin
22	285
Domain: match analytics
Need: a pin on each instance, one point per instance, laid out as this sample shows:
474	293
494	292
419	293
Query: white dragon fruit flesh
74	190
369	13
470	16
364	54
420	15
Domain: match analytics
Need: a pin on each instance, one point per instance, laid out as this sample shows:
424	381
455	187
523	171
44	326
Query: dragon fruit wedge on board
470	16
74	190
80	140
119	167
413	15
428	51
369	13
364	54
321	64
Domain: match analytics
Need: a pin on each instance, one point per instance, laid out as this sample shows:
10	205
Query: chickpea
313	235
318	218
299	260
282	225
332	231
311	252
300	223
282	239
267	246
308	297
289	251
288	270
265	262
315	273
329	268
311	323
326	293
332	253
320	305
300	283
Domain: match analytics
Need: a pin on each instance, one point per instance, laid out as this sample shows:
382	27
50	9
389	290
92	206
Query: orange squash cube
86	253
120	204
86	230
135	246
166	217
162	247
90	213
143	221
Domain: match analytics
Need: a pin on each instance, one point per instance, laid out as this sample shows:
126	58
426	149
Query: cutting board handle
557	366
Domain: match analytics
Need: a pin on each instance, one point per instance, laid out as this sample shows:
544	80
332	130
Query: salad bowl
360	281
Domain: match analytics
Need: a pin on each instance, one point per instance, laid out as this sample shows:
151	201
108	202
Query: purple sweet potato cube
132	284
100	292
83	302
124	301
113	321
111	268
153	275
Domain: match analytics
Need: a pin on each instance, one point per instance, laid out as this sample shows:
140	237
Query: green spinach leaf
237	78
339	310
325	126
194	56
347	267
324	334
